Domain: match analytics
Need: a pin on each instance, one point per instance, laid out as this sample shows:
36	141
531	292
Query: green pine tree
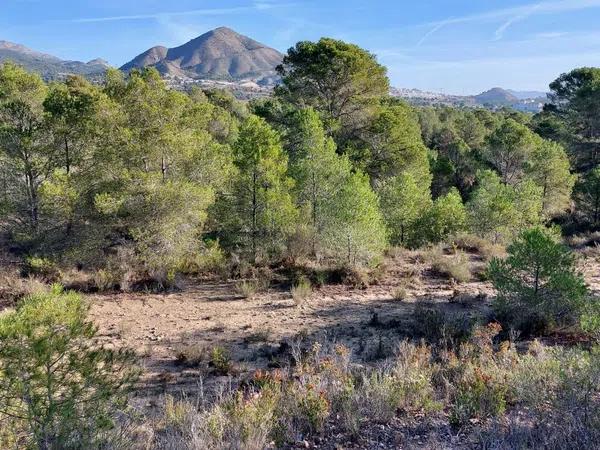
259	214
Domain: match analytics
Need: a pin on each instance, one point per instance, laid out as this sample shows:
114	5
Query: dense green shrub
259	214
403	199
538	285
58	388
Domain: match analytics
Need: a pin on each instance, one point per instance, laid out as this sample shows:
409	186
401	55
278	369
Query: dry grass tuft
191	355
454	266
301	291
13	287
400	294
261	335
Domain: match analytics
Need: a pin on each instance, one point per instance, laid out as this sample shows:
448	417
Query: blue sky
454	46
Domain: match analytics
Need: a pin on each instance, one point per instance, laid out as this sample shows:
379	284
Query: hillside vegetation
127	190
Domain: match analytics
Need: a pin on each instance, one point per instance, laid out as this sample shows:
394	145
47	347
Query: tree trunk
254	214
67	156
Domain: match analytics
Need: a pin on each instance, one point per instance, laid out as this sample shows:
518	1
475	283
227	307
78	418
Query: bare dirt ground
260	332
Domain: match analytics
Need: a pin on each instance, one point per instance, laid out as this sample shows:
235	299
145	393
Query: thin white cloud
435	29
256	6
264	4
499	34
536	44
513	15
392	53
552	35
544	7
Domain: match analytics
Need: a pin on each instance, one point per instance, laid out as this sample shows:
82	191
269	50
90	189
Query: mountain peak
496	96
224	30
221	53
98	62
11	45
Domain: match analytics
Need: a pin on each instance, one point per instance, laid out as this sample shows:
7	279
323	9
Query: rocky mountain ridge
220	54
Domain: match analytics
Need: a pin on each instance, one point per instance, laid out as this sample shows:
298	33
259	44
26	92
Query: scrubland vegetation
128	186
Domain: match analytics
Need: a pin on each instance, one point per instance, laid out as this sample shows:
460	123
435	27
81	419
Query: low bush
260	282
478	396
151	280
400	293
40	267
192	355
248	288
404	284
358	277
403	386
237	420
209	260
475	244
13	287
106	280
554	396
301	291
220	361
261	335
590	319
454	266
438	326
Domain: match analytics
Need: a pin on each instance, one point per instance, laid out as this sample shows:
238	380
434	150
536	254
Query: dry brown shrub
454	266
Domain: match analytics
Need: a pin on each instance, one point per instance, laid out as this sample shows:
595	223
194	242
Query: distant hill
524	95
220	54
496	97
48	66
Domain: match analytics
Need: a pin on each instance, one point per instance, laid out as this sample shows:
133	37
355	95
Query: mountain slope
219	54
497	97
48	66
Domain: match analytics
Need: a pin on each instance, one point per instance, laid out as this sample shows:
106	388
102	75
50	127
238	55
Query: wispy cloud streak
257	6
519	17
512	15
544	7
434	30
